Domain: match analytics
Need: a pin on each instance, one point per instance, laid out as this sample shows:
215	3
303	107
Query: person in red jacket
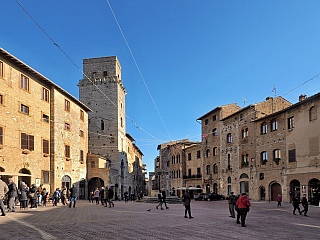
243	205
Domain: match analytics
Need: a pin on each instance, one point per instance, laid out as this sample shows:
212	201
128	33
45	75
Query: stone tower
101	89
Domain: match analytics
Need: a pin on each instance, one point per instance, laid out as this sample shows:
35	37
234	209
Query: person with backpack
56	196
243	204
44	194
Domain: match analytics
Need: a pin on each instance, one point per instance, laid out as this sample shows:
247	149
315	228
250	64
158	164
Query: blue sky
193	55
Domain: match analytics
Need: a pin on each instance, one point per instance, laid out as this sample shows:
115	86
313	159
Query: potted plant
264	162
277	160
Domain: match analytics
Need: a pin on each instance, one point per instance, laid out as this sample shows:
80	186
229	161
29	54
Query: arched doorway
294	189
275	190
262	193
244	184
215	188
66	182
95	183
314	191
25	179
208	188
82	187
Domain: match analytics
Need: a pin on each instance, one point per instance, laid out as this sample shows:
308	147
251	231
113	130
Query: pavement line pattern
306	225
44	234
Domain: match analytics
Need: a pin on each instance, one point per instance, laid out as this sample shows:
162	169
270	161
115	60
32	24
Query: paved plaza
133	221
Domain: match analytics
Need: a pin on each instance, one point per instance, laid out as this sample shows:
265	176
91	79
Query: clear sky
193	55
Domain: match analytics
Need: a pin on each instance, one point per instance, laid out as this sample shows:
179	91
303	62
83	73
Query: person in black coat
304	202
12	194
23	198
295	204
186	199
110	197
73	195
164	197
33	196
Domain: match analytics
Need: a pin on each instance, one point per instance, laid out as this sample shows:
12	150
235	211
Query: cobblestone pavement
133	221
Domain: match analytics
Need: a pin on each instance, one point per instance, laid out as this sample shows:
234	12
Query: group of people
105	195
242	206
162	199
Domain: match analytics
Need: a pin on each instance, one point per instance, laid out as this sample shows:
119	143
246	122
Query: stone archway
244	184
314	191
275	189
262	193
94	183
25	179
294	189
66	182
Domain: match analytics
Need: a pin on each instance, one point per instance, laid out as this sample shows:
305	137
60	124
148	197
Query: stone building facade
43	129
102	90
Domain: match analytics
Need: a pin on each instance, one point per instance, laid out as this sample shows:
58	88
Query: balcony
192	176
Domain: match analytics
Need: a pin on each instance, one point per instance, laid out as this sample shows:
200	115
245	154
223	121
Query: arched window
215	169
229	138
245	133
102	125
178	158
208	153
244	175
264	128
313	113
178	173
274	125
215	132
121	122
229	179
264	157
173	160
229	166
208	169
122	168
215	151
93	164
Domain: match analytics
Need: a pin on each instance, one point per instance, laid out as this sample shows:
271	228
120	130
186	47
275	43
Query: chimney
302	97
269	98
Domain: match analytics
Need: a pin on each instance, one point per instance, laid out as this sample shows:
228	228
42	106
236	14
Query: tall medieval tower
105	94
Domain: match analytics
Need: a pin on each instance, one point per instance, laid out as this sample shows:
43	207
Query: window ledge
46	155
25	151
68	159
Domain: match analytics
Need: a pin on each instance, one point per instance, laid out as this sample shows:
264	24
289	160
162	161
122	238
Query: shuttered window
81	155
27	141
45	146
1	135
67	151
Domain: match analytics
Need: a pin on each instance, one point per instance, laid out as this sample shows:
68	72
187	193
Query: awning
14	174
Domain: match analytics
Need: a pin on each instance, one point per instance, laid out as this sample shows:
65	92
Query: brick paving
133	221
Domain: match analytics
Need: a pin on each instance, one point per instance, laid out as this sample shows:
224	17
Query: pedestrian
237	209
73	195
64	196
126	196
12	194
3	190
279	199
39	194
232	202
243	204
91	197
27	191
105	196
295	204
44	194
160	200
304	202
23	198
110	196
33	196
186	200
97	195
56	196
101	195
164	197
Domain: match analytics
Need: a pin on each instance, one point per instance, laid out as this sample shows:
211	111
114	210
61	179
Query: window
121	122
173	159
264	157
67	151
292	155
67	126
245	160
313	113
198	171
214	132
206	122
1	69
208	169
189	156
207	153
45	118
27	141
1	99
214	117
241	117
102	125
229	180
189	173
24	83
24	109
45	146
93	164
45	94
81	115
105	73
168	163
245	133
215	169
81	133
274	125
290	123
261	176
178	158
264	128
198	154
215	151
1	135
276	154
45	177
229	138
178	173
67	105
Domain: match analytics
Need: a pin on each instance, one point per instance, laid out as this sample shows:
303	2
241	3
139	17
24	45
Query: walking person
64	196
39	194
237	209
126	196
160	198
164	197
91	197
243	204
110	197
279	199
105	196
101	195
12	194
3	190
73	195
97	195
304	202
56	196
186	199
23	198
232	202
33	196
44	194
295	204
